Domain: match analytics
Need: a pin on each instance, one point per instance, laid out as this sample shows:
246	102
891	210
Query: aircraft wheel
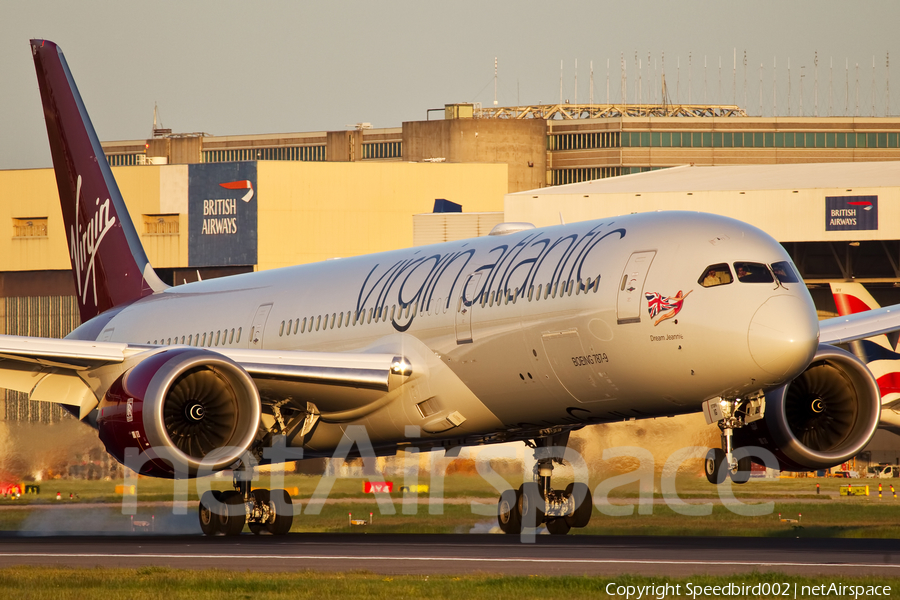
508	516
714	465
531	504
232	521
581	516
282	516
209	520
559	526
261	499
742	475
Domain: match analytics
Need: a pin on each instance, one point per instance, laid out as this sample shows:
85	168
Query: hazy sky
229	68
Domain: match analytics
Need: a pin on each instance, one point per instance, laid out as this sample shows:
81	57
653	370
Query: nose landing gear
730	414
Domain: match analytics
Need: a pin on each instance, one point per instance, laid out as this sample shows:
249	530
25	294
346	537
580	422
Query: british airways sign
222	214
851	213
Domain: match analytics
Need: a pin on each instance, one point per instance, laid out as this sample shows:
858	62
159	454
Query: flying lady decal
657	303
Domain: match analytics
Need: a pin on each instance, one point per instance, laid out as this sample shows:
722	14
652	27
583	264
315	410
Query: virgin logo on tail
245	184
85	242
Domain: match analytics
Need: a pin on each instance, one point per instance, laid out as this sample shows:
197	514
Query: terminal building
207	206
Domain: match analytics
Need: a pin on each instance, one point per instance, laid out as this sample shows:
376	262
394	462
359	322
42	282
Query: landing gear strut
261	509
730	415
536	502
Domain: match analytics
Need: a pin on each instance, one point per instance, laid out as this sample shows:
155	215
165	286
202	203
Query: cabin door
630	299
259	326
464	306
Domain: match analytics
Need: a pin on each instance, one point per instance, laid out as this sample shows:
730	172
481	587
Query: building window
30	227
162	224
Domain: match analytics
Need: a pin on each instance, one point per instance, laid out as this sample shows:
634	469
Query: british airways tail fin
851	298
877	352
108	260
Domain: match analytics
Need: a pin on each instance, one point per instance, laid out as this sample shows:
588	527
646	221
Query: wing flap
68	386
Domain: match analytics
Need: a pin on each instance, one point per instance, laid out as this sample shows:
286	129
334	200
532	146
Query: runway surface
461	554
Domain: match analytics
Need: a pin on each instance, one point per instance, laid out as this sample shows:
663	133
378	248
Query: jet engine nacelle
184	410
822	418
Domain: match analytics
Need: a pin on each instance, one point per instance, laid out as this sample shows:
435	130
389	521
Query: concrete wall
520	144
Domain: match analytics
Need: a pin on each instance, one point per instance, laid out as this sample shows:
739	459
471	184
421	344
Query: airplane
878	352
526	334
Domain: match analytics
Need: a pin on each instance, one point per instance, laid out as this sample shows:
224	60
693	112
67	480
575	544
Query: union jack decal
658	304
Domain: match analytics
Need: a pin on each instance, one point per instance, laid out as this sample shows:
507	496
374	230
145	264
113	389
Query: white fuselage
493	311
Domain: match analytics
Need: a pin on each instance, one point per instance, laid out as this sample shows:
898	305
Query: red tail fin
108	261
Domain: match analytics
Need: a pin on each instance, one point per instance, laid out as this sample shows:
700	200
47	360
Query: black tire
714	466
261	499
231	522
581	516
559	526
531	505
209	520
508	516
282	516
742	475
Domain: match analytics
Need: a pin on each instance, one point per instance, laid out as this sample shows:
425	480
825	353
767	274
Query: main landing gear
730	415
262	510
536	503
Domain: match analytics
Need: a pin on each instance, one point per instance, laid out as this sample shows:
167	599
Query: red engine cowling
180	413
822	418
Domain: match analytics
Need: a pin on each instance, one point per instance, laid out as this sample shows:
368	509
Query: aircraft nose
783	335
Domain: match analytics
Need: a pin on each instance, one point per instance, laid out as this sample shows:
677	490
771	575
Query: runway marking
452	558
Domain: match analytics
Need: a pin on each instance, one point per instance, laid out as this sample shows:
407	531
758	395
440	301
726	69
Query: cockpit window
715	275
785	273
750	272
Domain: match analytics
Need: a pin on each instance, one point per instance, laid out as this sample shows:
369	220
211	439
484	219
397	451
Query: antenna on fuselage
561	220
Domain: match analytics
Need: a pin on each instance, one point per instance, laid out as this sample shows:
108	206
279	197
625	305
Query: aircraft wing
859	326
68	371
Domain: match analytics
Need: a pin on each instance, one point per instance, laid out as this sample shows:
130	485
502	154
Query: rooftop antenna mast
774	87
592	86
802	75
874	93
576	81
719	96
846	86
887	83
678	79
690	77
640	90
705	96
760	89
495	81
623	84
857	90
664	92
734	78
831	86
789	88
560	81
816	84
607	81
745	78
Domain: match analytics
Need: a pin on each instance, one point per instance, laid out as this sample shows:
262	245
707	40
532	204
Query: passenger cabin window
715	275
749	272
